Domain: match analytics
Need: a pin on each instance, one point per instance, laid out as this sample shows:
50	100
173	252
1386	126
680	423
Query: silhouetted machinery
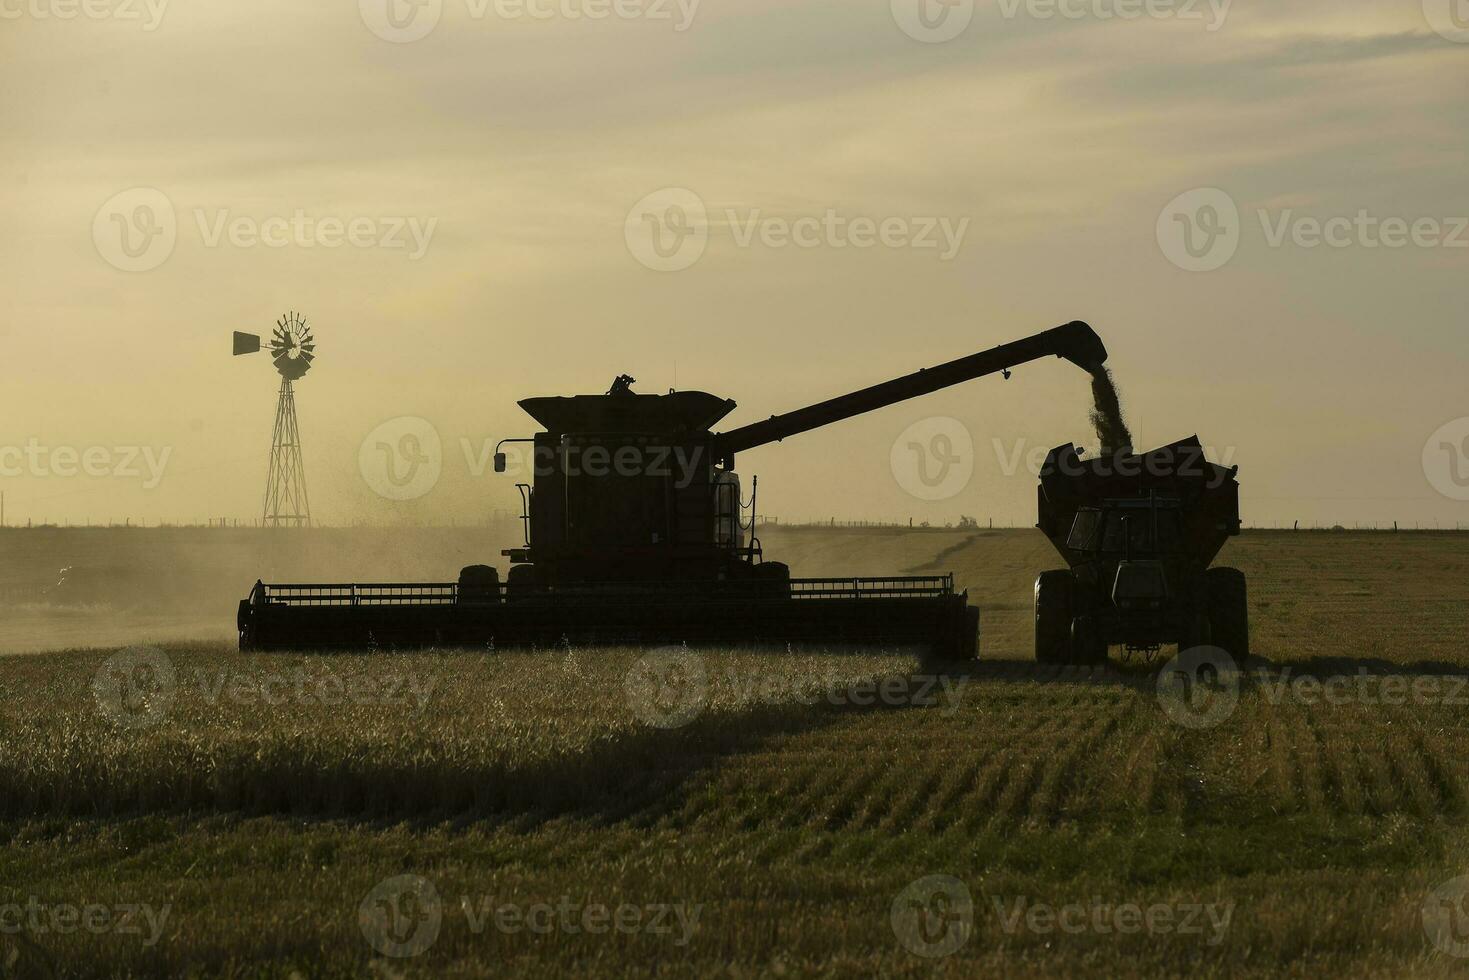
1139	533
634	533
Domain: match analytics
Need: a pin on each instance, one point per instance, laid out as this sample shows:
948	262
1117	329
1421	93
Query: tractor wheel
1087	648
1229	615
1200	632
1054	605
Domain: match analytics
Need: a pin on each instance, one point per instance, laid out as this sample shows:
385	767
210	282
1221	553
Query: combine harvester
634	534
1139	533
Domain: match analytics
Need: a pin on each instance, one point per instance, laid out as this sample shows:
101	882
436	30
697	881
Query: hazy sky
871	195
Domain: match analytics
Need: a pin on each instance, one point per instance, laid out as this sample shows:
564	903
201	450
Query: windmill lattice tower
292	348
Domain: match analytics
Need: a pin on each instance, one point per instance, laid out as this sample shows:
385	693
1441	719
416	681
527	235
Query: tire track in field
1306	753
1405	752
1058	780
1012	795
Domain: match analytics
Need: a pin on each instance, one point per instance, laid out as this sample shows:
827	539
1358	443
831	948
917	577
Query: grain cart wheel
1229	616
1054	603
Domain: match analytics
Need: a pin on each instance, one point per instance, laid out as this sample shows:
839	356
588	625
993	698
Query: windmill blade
246	343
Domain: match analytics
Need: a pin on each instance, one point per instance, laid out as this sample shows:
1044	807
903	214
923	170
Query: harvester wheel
1054	604
968	647
1229	615
774	578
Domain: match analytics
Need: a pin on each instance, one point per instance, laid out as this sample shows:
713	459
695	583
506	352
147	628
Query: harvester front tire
968	648
1229	615
1054	606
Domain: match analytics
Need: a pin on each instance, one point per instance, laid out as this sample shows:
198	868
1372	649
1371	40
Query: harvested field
767	813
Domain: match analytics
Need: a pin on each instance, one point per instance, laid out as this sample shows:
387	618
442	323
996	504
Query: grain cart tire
1054	605
1229	616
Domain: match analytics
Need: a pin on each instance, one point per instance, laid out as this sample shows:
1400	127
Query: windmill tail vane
292	349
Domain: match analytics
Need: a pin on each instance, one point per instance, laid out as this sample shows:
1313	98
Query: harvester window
1083	535
1137	524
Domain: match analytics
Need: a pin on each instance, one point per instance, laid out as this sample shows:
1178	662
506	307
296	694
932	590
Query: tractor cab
1140	537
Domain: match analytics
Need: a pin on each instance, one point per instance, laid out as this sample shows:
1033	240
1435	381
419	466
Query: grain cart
1138	533
634	533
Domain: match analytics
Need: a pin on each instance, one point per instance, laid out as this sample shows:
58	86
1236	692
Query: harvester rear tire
1054	606
1229	614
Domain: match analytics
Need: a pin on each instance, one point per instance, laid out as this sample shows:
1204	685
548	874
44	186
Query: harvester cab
1139	533
627	488
636	531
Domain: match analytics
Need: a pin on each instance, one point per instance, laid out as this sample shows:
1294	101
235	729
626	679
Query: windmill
292	348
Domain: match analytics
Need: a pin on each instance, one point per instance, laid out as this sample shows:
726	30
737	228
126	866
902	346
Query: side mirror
499	462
